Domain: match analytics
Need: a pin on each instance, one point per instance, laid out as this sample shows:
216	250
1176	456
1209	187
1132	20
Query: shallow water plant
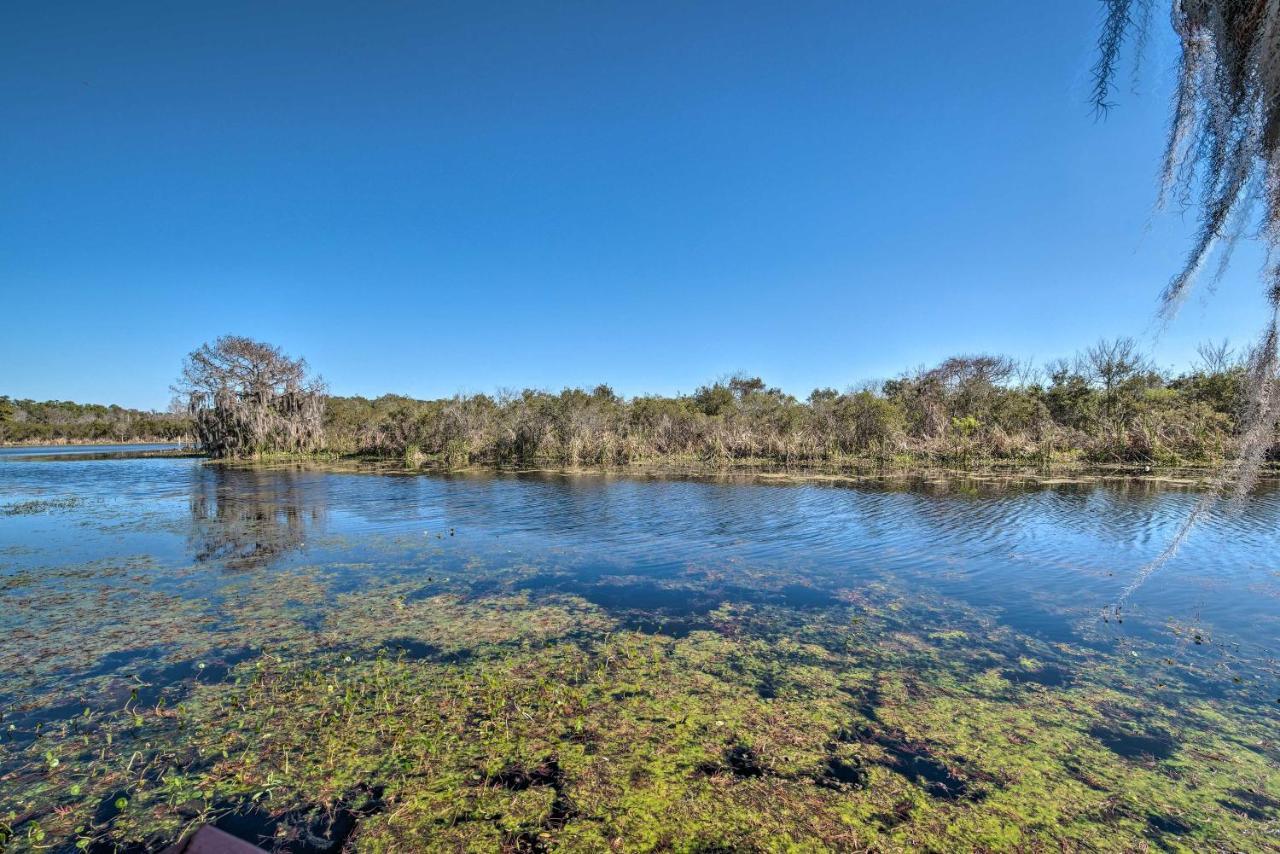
875	738
397	682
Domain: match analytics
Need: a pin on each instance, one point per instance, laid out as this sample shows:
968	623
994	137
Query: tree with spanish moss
246	398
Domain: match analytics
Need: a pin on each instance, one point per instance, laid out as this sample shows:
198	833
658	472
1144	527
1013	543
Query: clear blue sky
432	198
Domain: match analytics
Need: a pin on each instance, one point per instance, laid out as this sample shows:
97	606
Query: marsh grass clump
413	457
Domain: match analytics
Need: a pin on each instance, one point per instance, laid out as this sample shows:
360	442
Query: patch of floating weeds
1253	804
39	505
739	760
1170	824
842	774
1048	676
914	760
531	832
412	648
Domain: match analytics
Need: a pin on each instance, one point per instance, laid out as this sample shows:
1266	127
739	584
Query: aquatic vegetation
38	505
417	685
543	726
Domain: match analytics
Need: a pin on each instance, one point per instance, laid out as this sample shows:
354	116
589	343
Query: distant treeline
56	421
1109	404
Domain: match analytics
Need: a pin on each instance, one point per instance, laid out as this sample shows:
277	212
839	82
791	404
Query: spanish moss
1224	141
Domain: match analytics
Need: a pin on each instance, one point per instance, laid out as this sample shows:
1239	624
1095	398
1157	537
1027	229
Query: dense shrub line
1108	405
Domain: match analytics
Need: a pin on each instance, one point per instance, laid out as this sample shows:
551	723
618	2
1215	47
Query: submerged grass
447	721
406	692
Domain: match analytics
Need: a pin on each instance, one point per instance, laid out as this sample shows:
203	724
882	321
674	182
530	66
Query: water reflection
247	519
1045	560
662	554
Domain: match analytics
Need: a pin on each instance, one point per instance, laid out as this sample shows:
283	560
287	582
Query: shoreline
766	471
850	471
81	443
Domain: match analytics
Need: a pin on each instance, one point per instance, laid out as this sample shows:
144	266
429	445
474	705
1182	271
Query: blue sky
433	198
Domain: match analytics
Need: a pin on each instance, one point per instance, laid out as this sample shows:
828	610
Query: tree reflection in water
247	519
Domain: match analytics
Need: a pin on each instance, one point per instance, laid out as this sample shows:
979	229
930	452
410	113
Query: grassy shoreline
1065	468
851	470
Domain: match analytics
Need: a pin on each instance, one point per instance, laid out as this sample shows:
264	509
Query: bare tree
246	367
1111	363
1026	373
1216	358
960	386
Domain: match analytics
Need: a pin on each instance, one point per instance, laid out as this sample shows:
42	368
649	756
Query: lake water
950	636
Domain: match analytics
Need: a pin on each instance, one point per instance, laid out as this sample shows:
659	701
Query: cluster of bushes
58	421
1107	405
